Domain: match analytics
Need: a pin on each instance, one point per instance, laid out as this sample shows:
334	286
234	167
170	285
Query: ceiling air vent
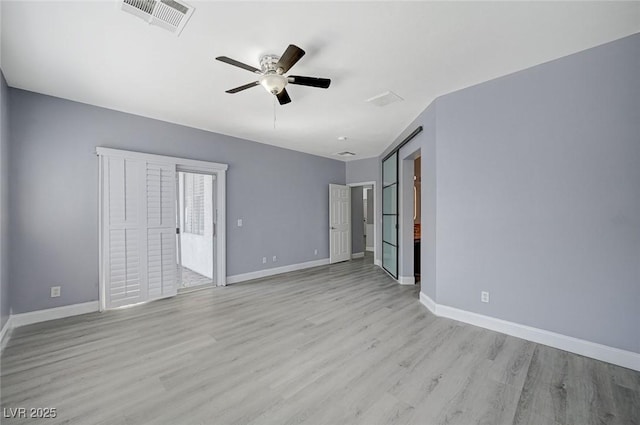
171	15
384	99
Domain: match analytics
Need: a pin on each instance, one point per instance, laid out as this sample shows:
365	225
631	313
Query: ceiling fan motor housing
268	63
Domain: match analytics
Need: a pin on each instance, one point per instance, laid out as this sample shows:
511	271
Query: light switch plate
484	296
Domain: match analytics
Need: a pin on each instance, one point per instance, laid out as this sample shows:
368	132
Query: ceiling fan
272	70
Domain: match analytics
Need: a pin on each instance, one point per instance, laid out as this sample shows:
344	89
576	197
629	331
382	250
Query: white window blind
194	203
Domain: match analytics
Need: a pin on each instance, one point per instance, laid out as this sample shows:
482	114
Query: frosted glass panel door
390	214
138	236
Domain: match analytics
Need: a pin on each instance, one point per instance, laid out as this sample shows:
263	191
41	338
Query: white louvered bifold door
124	238
161	231
139	251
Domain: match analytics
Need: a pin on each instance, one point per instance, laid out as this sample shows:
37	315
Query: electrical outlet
239	222
315	252
264	260
55	291
484	296
275	258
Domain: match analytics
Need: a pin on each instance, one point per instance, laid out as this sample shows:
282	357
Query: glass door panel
390	214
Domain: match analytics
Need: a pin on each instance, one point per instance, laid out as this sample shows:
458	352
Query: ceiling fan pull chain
274	112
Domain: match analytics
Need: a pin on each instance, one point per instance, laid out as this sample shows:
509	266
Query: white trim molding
357	255
428	302
612	355
407	280
276	270
192	164
5	333
23	319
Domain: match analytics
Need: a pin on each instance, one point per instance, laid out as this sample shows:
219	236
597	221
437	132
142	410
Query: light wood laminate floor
340	344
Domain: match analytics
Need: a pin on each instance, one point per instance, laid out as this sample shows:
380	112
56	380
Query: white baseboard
5	333
276	270
612	355
23	319
377	262
406	280
369	249
428	302
357	255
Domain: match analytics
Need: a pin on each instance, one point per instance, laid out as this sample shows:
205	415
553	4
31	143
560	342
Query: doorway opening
196	235
139	218
410	218
369	222
363	231
416	219
362	238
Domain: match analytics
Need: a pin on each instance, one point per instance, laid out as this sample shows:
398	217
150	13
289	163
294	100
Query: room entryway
403	224
417	224
362	222
145	201
196	229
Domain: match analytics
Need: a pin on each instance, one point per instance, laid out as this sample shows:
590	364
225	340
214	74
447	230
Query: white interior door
339	223
138	216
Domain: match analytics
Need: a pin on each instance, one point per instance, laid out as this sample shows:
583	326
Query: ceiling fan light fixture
271	72
273	83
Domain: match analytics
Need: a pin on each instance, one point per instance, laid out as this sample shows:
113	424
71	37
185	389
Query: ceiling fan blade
283	97
322	83
289	58
246	86
238	64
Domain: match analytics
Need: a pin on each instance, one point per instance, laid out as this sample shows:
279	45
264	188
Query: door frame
179	216
218	169
375	209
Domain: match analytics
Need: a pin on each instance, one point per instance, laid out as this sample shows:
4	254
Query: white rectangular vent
384	99
171	15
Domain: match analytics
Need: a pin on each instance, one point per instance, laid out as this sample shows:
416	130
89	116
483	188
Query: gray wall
539	196
4	204
281	195
357	220
362	170
370	202
531	191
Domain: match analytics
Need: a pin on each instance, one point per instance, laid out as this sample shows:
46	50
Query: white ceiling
92	52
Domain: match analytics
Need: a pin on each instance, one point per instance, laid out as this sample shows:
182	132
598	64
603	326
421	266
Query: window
194	203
